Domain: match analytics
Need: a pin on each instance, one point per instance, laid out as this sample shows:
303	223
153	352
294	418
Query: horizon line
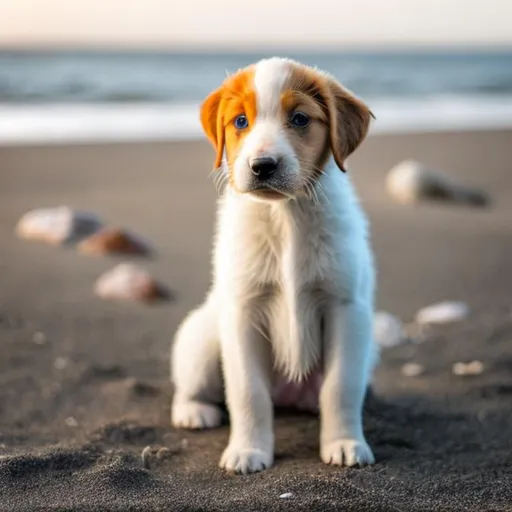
252	48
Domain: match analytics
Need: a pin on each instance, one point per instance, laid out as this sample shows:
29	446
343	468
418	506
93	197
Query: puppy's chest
287	249
282	265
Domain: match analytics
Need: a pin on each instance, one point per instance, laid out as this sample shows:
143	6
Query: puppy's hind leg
196	371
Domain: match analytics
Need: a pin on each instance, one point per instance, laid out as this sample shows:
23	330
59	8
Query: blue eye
241	122
299	119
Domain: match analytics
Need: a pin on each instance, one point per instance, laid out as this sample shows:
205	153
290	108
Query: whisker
312	185
316	200
309	187
219	180
321	189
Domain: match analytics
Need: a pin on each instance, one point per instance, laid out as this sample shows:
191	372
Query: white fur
269	78
267	137
293	289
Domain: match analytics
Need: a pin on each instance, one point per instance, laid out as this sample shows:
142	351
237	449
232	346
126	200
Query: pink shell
128	281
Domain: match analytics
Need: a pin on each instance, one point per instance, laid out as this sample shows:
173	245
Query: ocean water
62	96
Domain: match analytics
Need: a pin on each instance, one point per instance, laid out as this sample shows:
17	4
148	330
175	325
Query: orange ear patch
236	96
209	120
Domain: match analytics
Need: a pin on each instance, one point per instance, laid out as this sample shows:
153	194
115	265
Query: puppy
293	286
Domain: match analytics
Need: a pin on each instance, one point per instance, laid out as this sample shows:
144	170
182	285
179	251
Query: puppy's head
278	122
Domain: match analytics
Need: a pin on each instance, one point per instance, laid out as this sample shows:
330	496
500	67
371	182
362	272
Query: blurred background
129	69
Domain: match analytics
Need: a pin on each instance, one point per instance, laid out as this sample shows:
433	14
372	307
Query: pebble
468	369
128	281
58	225
411	181
388	330
163	453
39	338
145	455
154	451
286	495
442	313
481	416
71	422
60	363
114	241
412	370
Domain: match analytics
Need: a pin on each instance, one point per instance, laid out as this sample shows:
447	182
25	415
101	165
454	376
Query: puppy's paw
347	452
195	415
245	460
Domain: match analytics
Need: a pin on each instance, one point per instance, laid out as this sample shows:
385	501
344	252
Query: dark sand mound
427	461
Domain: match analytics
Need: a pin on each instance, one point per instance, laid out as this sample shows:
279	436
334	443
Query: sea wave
85	123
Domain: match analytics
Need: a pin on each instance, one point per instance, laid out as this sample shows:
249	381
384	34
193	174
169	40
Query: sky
241	24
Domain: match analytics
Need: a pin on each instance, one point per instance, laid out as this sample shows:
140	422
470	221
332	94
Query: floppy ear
349	120
212	123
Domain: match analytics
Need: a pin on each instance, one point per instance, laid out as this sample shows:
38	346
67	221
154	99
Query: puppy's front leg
246	358
347	356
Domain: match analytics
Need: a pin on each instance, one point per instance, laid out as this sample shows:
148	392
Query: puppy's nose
264	167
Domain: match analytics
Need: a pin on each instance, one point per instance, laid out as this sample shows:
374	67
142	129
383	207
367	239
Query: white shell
388	330
412	369
60	363
411	181
71	422
407	181
442	313
57	225
468	369
126	281
286	495
39	338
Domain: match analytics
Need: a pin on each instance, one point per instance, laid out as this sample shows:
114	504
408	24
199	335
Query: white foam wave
48	124
57	124
442	113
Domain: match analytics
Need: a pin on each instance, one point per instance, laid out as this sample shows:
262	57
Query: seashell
412	370
145	456
411	181
388	330
71	422
58	225
442	313
468	369
114	241
127	281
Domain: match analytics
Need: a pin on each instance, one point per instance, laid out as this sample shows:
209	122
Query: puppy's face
277	122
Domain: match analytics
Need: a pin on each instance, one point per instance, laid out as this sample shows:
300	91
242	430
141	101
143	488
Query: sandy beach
84	382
